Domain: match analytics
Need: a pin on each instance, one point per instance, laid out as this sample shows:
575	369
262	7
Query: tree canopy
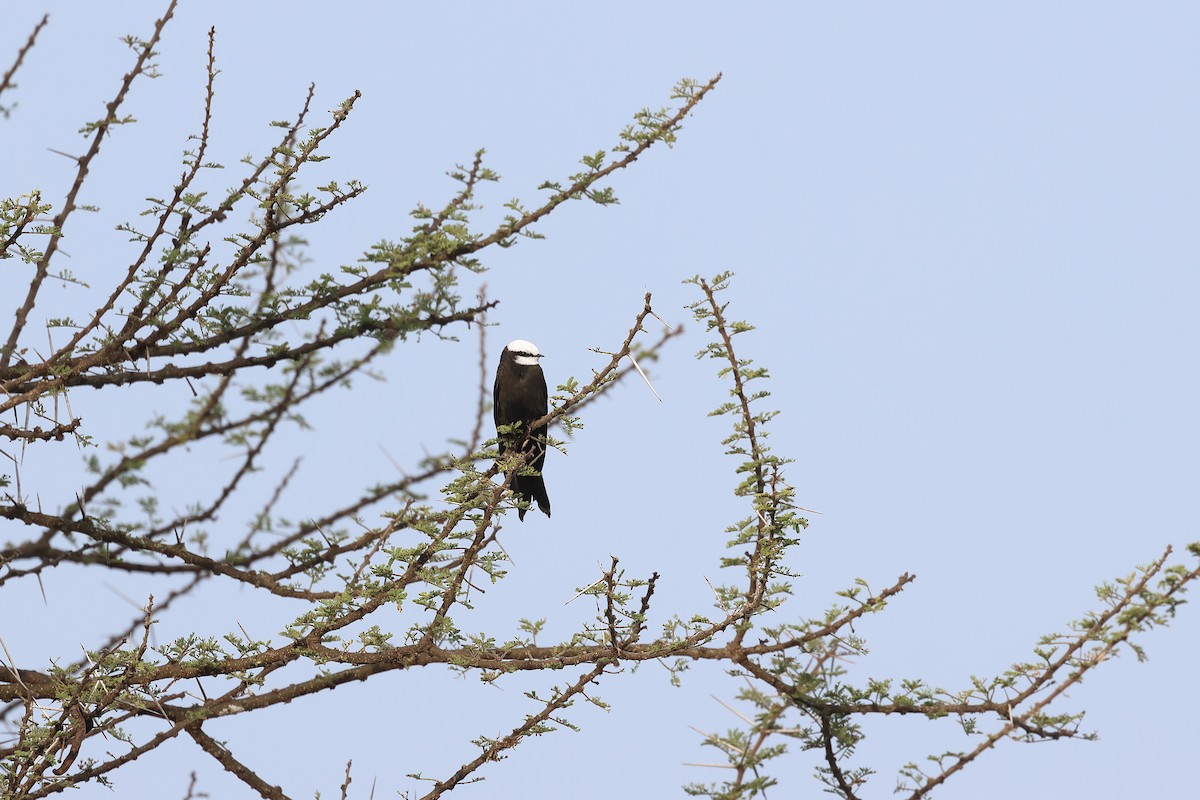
231	338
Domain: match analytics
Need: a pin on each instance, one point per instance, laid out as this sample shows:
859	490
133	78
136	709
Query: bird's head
524	353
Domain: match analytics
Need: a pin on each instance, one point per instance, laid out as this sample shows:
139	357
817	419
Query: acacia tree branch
38	434
422	561
1129	619
137	315
580	187
102	127
239	770
6	80
532	723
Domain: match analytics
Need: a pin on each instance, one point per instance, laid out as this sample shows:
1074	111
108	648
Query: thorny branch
102	129
177	313
377	583
6	81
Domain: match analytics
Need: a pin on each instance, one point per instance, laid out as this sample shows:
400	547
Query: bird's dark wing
533	486
539	397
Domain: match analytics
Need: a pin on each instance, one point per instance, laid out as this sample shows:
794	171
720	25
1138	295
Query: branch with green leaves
797	679
216	295
218	298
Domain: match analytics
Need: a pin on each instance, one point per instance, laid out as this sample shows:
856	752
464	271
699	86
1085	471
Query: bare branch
6	80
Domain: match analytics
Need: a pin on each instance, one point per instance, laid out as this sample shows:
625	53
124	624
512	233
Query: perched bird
520	396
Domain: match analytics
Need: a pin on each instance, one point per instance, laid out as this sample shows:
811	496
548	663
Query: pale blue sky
966	234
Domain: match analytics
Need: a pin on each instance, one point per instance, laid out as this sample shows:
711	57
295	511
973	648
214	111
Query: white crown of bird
525	353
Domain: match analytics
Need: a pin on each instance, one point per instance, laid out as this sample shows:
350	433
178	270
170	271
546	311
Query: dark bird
520	396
